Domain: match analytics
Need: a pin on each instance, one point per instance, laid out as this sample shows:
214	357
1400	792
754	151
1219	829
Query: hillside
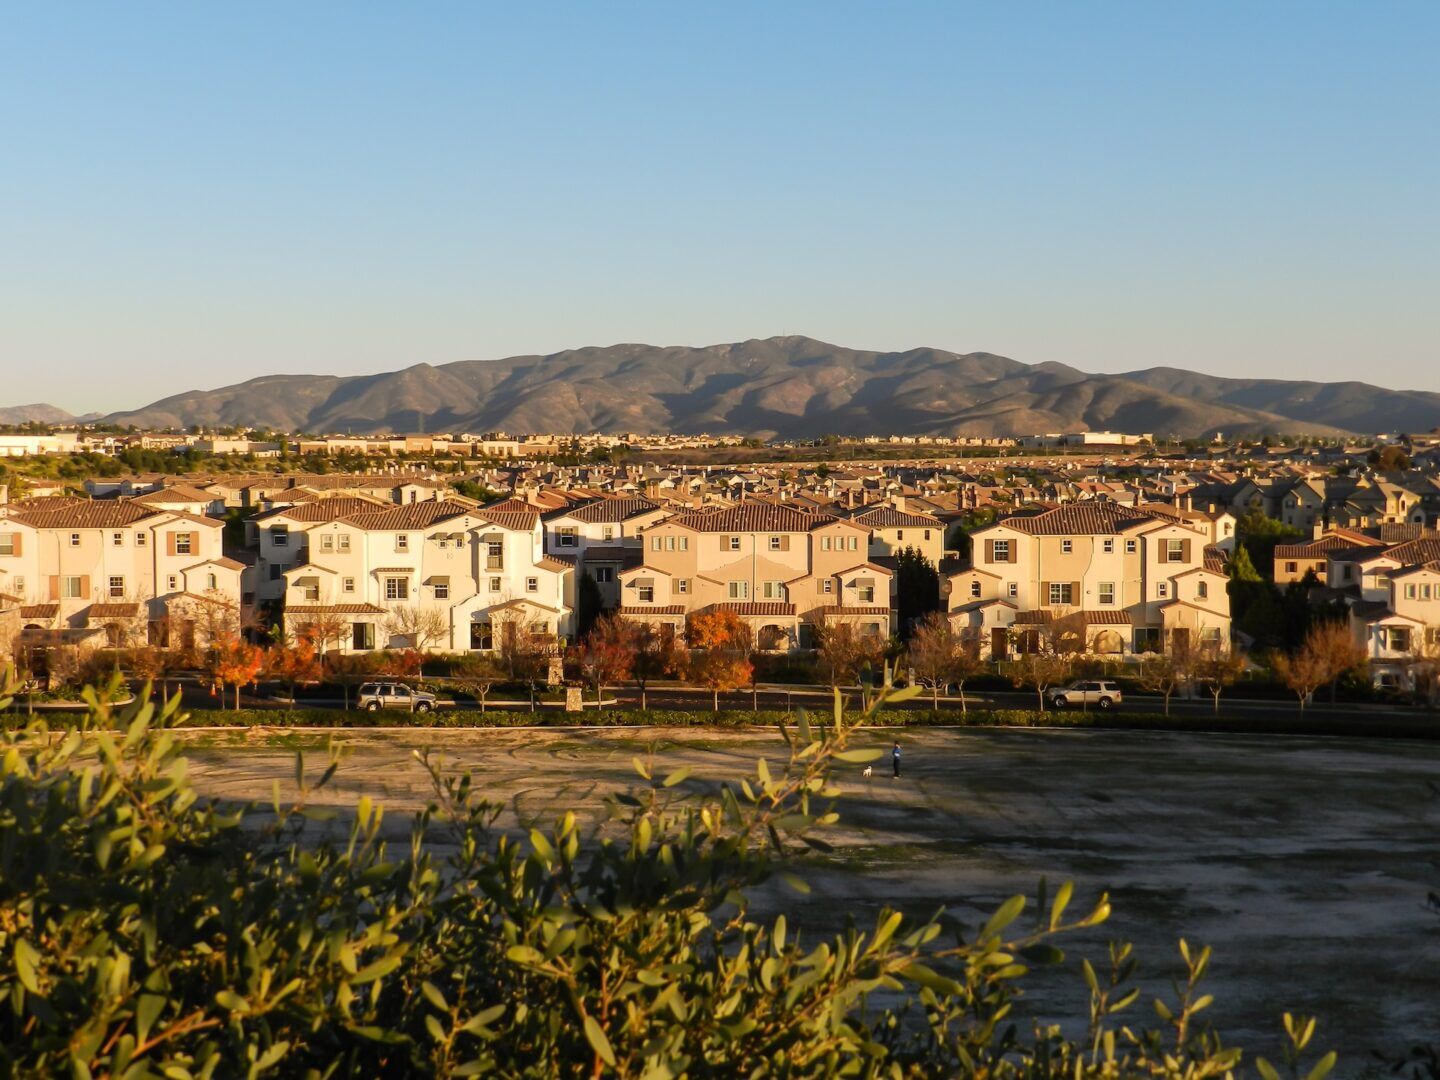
788	387
34	414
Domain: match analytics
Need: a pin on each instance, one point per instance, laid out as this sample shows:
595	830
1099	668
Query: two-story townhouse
785	572
280	536
1135	582
118	571
604	536
432	574
1294	561
893	529
1403	629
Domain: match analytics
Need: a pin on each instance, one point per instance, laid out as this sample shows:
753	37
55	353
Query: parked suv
1103	695
385	695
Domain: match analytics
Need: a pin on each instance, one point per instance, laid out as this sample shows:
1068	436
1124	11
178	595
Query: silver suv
1103	695
377	696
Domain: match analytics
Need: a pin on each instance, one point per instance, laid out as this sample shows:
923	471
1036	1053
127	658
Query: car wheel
374	706
1104	703
423	706
1059	702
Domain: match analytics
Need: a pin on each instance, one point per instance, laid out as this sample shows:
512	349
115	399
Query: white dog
869	772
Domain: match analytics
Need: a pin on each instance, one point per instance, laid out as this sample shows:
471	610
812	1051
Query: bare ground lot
1304	862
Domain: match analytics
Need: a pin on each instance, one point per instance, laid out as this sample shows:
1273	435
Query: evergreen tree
917	589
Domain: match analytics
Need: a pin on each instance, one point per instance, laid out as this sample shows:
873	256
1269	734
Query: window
1424	592
347	585
1130	547
927	534
1012	590
975	589
774	543
279	536
655	544
866	594
604	574
1067	546
311	590
7	543
343	541
1399	639
1172	551
172	582
72	588
117	587
327	542
494	555
1002	551
1411	592
565	536
1107	546
211	582
1147	639
669	543
402	542
732	543
899	534
684	543
184	543
139	539
739	590
1106	591
682	585
608	532
853	543
397	588
74	539
1162	590
532	584
1202	590
825	543
18	584
1062	592
1292	567
827	586
494	584
117	539
773	590
646	593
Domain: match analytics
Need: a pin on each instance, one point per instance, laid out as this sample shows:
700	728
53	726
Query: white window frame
1105	592
397	588
113	590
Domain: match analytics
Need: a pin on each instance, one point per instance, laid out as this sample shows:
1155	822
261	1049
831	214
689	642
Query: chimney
898	502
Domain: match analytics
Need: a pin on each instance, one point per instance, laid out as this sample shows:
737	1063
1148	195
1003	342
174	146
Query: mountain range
789	387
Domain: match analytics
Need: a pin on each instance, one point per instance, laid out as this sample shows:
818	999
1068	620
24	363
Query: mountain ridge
788	387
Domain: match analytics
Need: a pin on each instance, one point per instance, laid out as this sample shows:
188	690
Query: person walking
895	759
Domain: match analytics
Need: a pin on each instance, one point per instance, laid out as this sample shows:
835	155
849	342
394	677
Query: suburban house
895	528
1119	581
604	536
784	572
430	575
116	572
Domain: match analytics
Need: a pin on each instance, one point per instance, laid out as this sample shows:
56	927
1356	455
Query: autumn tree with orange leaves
606	654
719	652
295	663
233	661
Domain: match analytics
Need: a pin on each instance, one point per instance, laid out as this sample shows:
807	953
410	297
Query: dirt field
1304	862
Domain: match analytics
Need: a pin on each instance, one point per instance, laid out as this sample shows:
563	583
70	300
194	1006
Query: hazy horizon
195	197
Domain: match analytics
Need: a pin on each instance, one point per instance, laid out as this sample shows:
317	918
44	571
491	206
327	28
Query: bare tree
420	625
1163	675
1039	670
939	656
1334	644
843	653
1217	668
480	672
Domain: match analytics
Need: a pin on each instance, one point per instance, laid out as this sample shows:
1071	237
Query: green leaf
857	757
595	1036
1007	913
483	1019
903	694
147	1011
679	776
434	996
1266	1070
378	969
25	960
797	884
1322	1067
524	954
640	768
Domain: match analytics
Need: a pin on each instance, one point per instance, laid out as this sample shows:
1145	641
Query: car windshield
402	691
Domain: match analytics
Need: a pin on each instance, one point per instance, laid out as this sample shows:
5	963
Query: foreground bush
145	931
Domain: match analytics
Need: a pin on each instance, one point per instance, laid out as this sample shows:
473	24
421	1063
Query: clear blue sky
191	194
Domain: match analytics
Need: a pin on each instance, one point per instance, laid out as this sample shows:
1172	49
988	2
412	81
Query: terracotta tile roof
887	517
1314	549
113	611
666	609
603	510
39	611
1037	617
88	514
418	515
332	609
758	607
515	520
328	508
382	570
1415	552
1105	618
556	563
178	493
849	609
1083	518
751	517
